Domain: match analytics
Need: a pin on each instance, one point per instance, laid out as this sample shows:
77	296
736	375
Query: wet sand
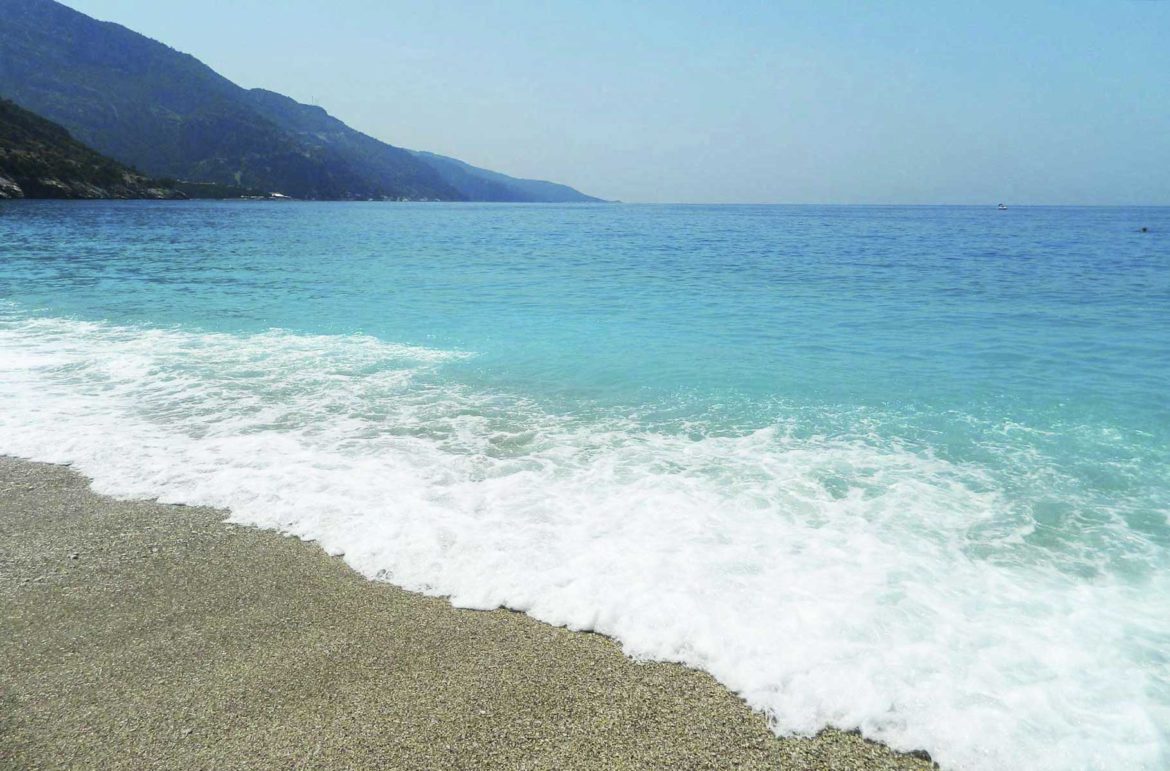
136	635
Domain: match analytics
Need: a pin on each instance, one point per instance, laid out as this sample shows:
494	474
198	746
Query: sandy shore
136	635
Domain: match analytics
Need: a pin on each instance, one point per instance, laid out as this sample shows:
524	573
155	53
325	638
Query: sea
904	470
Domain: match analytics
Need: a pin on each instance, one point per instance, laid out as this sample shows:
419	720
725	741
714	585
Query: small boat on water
1002	207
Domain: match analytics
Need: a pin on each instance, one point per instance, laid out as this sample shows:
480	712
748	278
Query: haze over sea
899	469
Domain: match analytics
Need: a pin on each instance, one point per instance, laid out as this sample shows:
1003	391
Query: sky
751	101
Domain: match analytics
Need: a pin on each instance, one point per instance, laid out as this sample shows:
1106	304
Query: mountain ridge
469	179
167	113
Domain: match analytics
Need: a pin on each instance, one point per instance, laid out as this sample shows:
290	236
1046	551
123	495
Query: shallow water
901	469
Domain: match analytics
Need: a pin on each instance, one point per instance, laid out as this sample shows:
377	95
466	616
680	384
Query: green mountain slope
39	159
167	113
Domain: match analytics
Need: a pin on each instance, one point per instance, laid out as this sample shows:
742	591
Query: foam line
830	579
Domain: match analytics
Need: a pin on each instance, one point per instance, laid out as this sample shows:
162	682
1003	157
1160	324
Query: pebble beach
140	635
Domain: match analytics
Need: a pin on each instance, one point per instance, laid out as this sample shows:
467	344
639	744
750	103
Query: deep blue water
899	468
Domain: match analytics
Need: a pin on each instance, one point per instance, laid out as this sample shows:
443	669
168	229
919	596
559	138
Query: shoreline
139	634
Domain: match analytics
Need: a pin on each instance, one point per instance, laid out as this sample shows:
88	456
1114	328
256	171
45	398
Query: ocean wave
841	579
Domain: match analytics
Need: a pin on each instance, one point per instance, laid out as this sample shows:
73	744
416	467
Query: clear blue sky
1065	101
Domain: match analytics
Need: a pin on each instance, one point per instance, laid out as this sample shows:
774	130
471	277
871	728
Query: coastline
139	634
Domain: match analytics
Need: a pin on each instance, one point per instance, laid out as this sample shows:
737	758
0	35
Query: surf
841	577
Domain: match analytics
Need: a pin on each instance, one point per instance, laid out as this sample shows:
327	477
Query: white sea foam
829	580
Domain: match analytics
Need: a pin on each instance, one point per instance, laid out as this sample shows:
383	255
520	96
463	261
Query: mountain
170	115
482	185
396	171
39	159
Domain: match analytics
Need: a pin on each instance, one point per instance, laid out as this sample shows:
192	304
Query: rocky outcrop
39	159
131	187
9	188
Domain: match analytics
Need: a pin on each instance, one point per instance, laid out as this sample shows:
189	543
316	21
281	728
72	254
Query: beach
786	389
141	635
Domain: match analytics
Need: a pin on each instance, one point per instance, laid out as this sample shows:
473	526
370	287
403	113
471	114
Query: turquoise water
900	469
